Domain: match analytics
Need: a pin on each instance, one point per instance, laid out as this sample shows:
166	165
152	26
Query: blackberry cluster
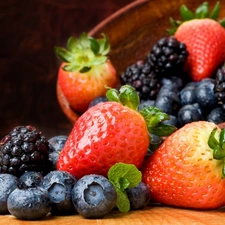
24	149
141	77
219	88
168	56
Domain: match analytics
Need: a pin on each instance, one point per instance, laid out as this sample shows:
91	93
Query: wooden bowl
132	32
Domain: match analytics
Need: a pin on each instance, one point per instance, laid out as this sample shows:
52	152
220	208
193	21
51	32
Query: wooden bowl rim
117	14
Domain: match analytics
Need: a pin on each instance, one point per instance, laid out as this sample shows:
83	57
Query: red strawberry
205	42
185	172
85	70
109	133
204	38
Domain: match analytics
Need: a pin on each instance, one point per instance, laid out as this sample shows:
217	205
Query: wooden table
157	215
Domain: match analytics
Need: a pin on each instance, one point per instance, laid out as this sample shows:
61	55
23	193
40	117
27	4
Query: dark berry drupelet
24	149
219	88
168	56
141	77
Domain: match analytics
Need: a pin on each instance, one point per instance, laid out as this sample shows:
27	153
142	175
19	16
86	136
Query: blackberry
168	56
219	88
141	77
24	149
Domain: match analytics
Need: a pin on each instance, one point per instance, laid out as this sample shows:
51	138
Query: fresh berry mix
8	183
24	149
59	185
29	203
94	196
180	84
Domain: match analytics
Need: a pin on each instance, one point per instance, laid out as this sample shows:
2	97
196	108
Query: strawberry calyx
218	146
153	116
83	53
201	12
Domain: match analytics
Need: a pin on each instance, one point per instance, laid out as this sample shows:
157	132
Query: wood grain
157	215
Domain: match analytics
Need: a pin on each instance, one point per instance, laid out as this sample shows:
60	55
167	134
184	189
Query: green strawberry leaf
216	142
63	54
73	44
186	14
123	176
129	97
84	53
95	47
104	45
222	22
162	130
215	12
154	118
202	11
112	95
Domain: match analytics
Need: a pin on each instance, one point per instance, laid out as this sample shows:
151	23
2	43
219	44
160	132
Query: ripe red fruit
185	171
85	70
109	133
205	42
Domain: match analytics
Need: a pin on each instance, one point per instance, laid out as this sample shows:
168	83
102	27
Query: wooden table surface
157	215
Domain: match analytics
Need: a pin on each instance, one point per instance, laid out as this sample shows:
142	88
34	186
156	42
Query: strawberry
111	132
85	70
204	38
187	170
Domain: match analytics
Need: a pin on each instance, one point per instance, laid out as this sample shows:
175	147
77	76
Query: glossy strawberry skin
104	135
81	88
182	171
205	41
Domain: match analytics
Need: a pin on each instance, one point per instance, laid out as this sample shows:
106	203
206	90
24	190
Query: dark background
28	66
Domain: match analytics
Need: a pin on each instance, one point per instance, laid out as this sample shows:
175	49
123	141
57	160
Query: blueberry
138	196
94	196
175	82
205	94
189	113
97	100
8	183
31	179
59	185
168	100
146	103
216	116
29	203
56	145
187	95
172	121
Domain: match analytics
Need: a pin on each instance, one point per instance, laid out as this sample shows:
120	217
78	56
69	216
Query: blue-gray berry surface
139	196
29	203
93	196
56	145
8	183
31	179
59	185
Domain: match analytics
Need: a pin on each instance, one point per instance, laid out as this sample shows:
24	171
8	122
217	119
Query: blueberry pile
33	197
